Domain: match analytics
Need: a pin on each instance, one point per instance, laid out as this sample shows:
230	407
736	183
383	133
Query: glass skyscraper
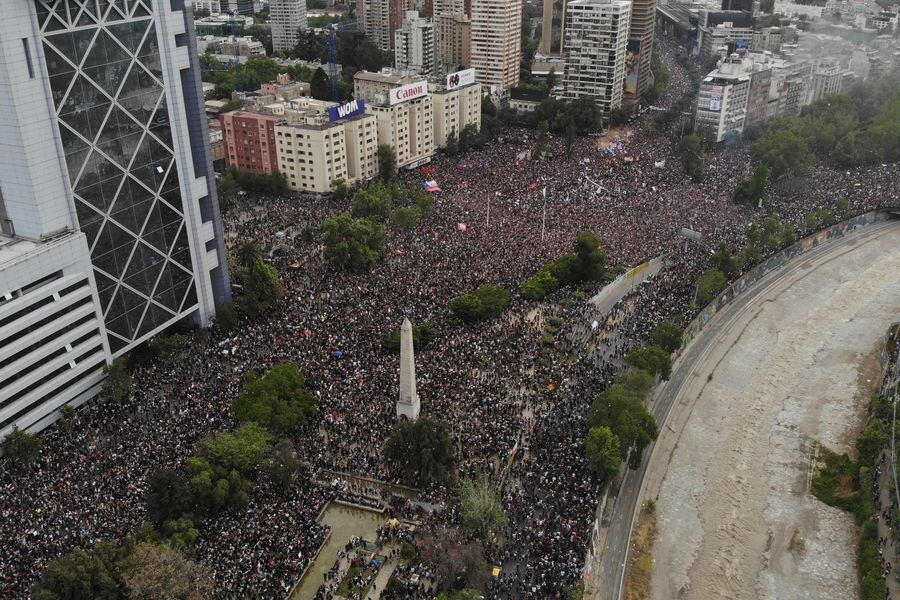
103	139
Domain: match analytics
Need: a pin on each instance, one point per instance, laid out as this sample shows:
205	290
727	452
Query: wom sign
344	111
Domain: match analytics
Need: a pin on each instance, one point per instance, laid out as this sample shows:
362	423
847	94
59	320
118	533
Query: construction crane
345	27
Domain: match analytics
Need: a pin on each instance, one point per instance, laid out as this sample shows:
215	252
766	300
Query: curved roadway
693	372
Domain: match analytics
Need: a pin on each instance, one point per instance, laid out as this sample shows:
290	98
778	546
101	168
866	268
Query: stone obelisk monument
408	403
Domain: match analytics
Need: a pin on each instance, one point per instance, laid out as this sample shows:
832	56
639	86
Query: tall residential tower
287	18
110	222
595	40
496	41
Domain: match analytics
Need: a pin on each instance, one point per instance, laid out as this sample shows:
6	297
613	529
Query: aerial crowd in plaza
486	381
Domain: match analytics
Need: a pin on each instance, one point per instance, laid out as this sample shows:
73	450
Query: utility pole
544	217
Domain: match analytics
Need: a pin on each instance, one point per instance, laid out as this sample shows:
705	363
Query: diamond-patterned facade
102	57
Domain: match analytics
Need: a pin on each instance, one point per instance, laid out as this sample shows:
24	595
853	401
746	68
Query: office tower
415	45
640	48
496	45
109	215
286	18
596	39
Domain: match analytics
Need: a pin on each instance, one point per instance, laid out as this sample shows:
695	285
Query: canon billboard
410	91
460	78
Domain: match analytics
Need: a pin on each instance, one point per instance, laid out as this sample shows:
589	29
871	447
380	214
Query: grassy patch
640	562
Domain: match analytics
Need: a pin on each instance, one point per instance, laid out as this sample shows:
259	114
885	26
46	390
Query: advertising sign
632	62
715	97
350	109
410	91
460	78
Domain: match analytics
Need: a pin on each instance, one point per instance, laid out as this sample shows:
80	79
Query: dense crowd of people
492	383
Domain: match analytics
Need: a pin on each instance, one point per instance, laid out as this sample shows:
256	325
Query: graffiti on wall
772	263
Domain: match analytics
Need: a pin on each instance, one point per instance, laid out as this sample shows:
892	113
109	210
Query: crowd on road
492	383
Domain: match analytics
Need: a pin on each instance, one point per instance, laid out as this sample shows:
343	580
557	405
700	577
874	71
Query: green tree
181	534
710	285
486	302
407	218
21	447
340	189
604	452
243	449
591	265
625	415
168	347
352	245
691	157
320	86
387	162
373	202
636	381
168	496
542	283
723	260
667	336
284	465
783	148
423	335
652	359
83	574
753	190
872	440
262	286
118	385
278	400
543	139
422	450
214	487
226	187
480	509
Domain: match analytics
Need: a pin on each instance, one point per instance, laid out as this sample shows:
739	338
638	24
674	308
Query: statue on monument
408	402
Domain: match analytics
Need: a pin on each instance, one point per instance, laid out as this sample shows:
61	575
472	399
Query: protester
493	383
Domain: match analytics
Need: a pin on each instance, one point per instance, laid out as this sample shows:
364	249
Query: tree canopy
486	302
624	414
480	509
277	400
422	450
353	245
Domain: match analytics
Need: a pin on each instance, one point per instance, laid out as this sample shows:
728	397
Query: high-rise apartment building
454	48
640	48
595	44
108	210
381	18
241	7
453	34
415	45
496	41
722	101
286	18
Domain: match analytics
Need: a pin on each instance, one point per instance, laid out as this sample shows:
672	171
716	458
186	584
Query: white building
722	100
213	7
286	18
415	45
596	38
111	230
496	41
